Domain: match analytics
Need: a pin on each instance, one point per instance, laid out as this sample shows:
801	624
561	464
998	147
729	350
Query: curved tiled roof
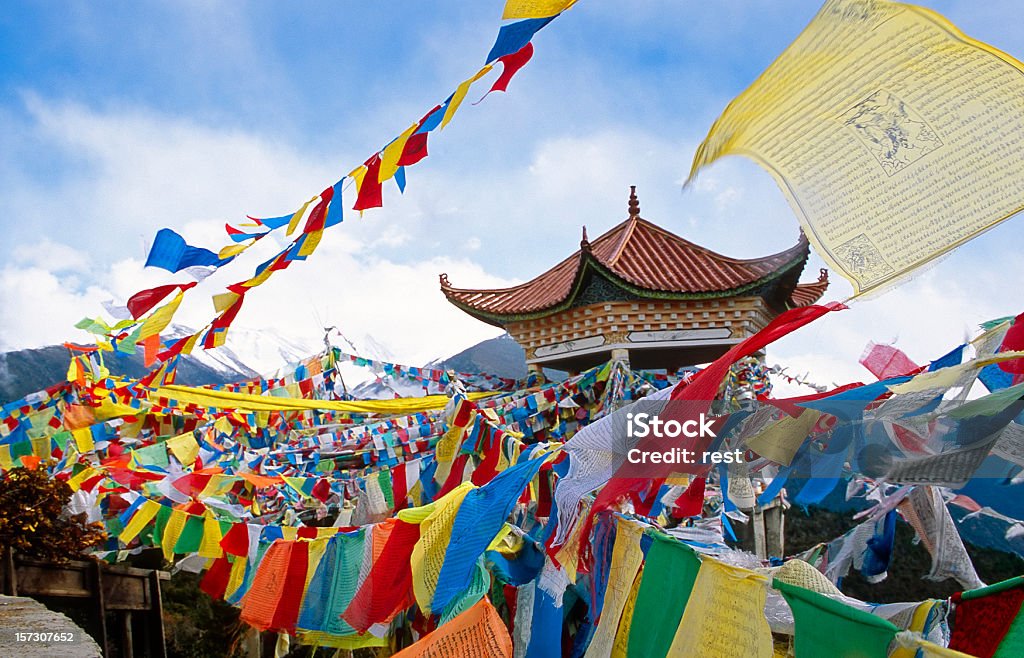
645	257
806	294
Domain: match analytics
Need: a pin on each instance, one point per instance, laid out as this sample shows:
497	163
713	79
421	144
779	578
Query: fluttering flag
415	148
480	517
143	301
825	627
884	158
392	153
515	9
161	317
885	361
512	37
452	106
512	63
170	252
368	185
334	211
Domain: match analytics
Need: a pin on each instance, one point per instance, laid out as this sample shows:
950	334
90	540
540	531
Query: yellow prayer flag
315	552
534	8
725	615
357	175
296	484
190	343
780	441
172	531
139	521
161	317
224	300
232	250
210	544
7	463
392	152
237	575
311	242
626	560
184	448
75	482
220	337
894	136
223	425
260	278
293	223
83	439
435	534
218	485
621	645
460	95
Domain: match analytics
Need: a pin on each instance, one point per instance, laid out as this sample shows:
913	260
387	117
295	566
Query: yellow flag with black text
894	136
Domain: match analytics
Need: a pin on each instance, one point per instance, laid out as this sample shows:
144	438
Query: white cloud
50	255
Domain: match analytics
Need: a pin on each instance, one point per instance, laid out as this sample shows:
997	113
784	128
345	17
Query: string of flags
466	514
304	227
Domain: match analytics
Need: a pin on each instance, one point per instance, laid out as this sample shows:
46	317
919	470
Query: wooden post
774	523
127	644
11	575
155	632
758	521
101	606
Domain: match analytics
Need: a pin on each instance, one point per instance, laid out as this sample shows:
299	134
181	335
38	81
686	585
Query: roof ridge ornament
584	242
634	203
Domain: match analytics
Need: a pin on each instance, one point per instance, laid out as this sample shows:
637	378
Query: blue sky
119	118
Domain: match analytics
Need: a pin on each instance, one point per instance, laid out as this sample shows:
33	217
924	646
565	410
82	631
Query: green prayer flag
160	522
191	536
61	439
990	404
384	479
825	627
670	570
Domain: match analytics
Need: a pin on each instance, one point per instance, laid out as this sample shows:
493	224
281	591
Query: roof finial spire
634	203
585	243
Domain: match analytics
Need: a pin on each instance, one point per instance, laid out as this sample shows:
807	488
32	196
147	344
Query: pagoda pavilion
644	295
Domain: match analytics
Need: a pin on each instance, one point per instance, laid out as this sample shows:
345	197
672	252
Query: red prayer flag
511	65
1013	341
215	582
144	300
885	361
236	540
370	190
388	586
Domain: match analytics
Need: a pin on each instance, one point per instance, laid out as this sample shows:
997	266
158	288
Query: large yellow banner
894	136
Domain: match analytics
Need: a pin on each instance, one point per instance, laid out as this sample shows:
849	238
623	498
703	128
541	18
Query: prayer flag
825	627
894	136
534	8
172	253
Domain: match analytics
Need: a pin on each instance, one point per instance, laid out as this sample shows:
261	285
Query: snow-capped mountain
249	353
264	351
